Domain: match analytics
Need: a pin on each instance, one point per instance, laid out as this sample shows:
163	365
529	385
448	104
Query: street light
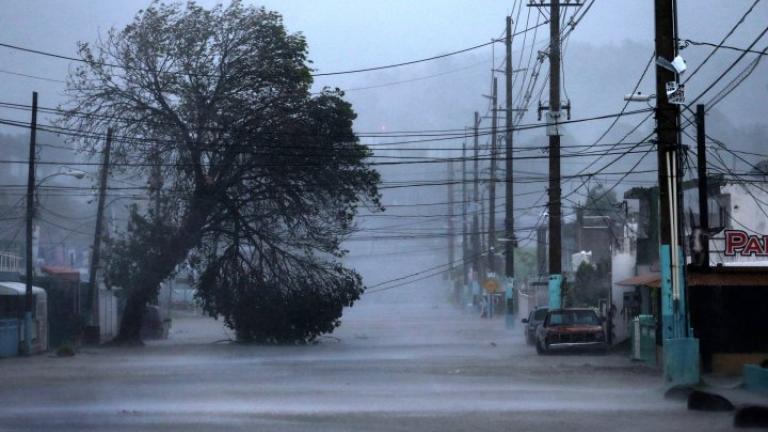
639	97
63	171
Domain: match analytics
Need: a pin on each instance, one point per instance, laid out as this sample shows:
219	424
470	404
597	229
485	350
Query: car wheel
540	350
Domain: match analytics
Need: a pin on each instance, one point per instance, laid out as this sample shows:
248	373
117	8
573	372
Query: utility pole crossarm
565	3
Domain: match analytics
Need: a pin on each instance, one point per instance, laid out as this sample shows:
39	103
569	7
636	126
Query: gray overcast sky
342	34
603	59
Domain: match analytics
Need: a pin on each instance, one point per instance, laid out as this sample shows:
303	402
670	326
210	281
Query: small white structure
12	296
624	266
581	257
109	320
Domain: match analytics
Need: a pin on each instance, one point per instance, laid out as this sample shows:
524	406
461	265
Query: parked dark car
535	318
571	328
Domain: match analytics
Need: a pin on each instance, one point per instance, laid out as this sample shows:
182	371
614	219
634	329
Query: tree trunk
132	319
159	262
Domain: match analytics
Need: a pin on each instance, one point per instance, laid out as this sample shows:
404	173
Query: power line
7	72
732	65
688	42
722	41
441	137
317	74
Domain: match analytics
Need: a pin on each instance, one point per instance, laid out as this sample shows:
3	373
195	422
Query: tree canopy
261	179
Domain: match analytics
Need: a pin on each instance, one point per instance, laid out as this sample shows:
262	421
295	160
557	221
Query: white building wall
622	267
744	213
108	314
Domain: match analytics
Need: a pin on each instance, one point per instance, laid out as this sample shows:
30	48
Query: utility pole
476	207
555	230
94	330
681	351
451	229
30	268
483	236
701	159
464	198
509	208
492	185
553	131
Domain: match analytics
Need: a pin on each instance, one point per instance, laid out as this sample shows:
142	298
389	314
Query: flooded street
417	365
360	190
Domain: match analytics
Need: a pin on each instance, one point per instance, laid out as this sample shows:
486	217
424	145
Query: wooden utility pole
667	126
701	159
464	230
681	352
94	333
476	199
30	220
555	230
553	131
492	184
509	208
451	227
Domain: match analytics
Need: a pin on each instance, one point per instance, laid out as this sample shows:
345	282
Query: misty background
602	61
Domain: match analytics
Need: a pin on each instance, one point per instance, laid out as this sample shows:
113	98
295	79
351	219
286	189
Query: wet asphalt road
403	366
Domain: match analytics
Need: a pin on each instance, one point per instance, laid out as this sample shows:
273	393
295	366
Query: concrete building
728	301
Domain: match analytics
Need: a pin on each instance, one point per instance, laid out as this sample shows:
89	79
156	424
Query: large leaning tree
261	179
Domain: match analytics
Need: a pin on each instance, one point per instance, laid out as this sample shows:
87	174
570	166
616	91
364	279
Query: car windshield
569	317
539	314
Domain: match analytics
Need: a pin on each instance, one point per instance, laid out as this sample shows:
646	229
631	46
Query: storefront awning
730	277
716	276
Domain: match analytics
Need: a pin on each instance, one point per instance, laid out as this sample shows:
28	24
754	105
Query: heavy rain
383	216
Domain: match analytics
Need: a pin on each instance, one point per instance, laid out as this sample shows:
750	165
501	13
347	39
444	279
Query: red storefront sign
738	242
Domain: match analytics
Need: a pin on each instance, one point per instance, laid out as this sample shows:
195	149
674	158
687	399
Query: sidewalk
732	388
